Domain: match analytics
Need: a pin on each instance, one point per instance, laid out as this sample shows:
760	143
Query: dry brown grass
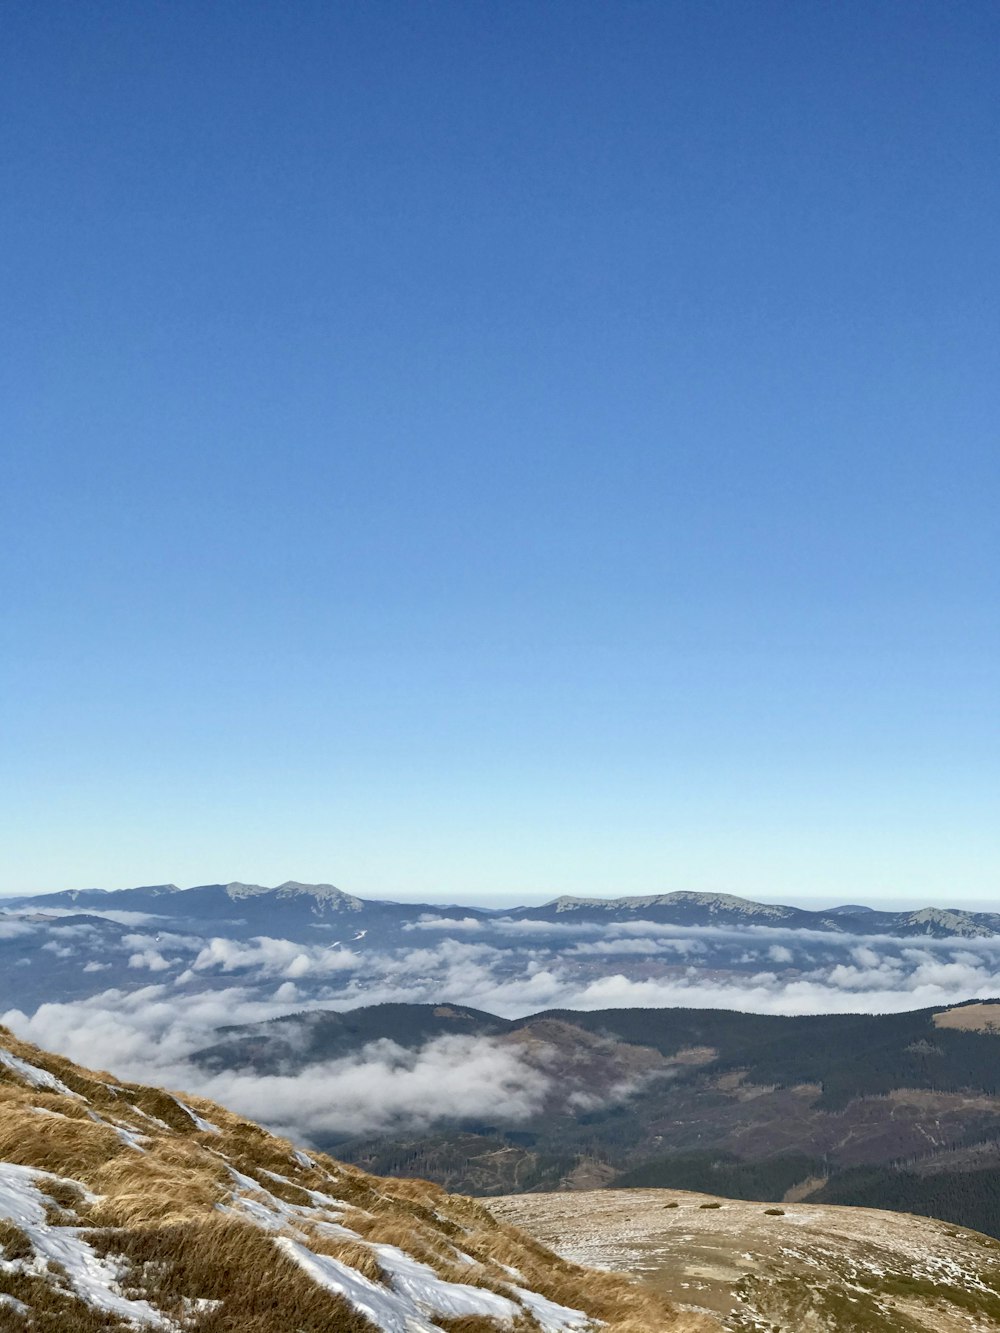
65	1147
52	1310
13	1242
408	1234
224	1259
140	1190
159	1105
428	1246
970	1018
286	1190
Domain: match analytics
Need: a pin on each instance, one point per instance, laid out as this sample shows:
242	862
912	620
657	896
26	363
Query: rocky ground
768	1268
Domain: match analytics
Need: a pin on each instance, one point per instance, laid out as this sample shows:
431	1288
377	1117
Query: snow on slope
23	1201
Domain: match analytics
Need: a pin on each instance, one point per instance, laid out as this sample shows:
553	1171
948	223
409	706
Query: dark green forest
849	1055
723	1173
968	1198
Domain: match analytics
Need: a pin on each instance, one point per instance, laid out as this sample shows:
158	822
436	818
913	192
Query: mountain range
584	1043
243	909
300	944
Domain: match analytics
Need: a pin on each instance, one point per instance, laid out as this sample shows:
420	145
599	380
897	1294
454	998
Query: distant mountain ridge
294	903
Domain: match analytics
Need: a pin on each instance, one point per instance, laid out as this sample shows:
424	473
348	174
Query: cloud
109	914
273	957
163	939
151	959
59	950
173	991
147	1035
597	948
12	929
386	1087
427	922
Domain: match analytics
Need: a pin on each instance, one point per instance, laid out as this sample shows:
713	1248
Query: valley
477	1049
898	1110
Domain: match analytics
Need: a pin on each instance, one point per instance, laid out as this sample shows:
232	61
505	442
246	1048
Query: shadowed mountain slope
895	1111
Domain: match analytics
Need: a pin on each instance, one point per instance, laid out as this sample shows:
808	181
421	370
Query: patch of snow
154	1120
9	1303
198	1305
417	1294
37	1078
130	1139
276	1175
200	1123
553	1318
420	1284
93	1280
274	1214
407	1306
388	1311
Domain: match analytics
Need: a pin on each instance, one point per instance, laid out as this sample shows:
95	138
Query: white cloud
149	1032
151	959
385	1086
145	1035
273	957
120	918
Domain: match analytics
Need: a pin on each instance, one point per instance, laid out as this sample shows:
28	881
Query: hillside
892	1110
792	1269
124	1206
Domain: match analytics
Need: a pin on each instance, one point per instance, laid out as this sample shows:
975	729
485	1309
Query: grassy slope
197	1220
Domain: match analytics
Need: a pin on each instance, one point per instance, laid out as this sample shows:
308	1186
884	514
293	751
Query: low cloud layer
160	996
385	1087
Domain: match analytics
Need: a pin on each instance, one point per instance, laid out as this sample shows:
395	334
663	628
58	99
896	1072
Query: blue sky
497	450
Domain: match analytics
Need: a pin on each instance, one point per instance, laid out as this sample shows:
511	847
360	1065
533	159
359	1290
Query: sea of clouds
173	991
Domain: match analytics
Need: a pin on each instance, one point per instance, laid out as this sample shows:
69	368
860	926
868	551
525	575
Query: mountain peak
326	894
711	902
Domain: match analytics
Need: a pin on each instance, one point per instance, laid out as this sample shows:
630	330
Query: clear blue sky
474	449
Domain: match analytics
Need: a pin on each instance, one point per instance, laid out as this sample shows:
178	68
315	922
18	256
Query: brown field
770	1268
970	1018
